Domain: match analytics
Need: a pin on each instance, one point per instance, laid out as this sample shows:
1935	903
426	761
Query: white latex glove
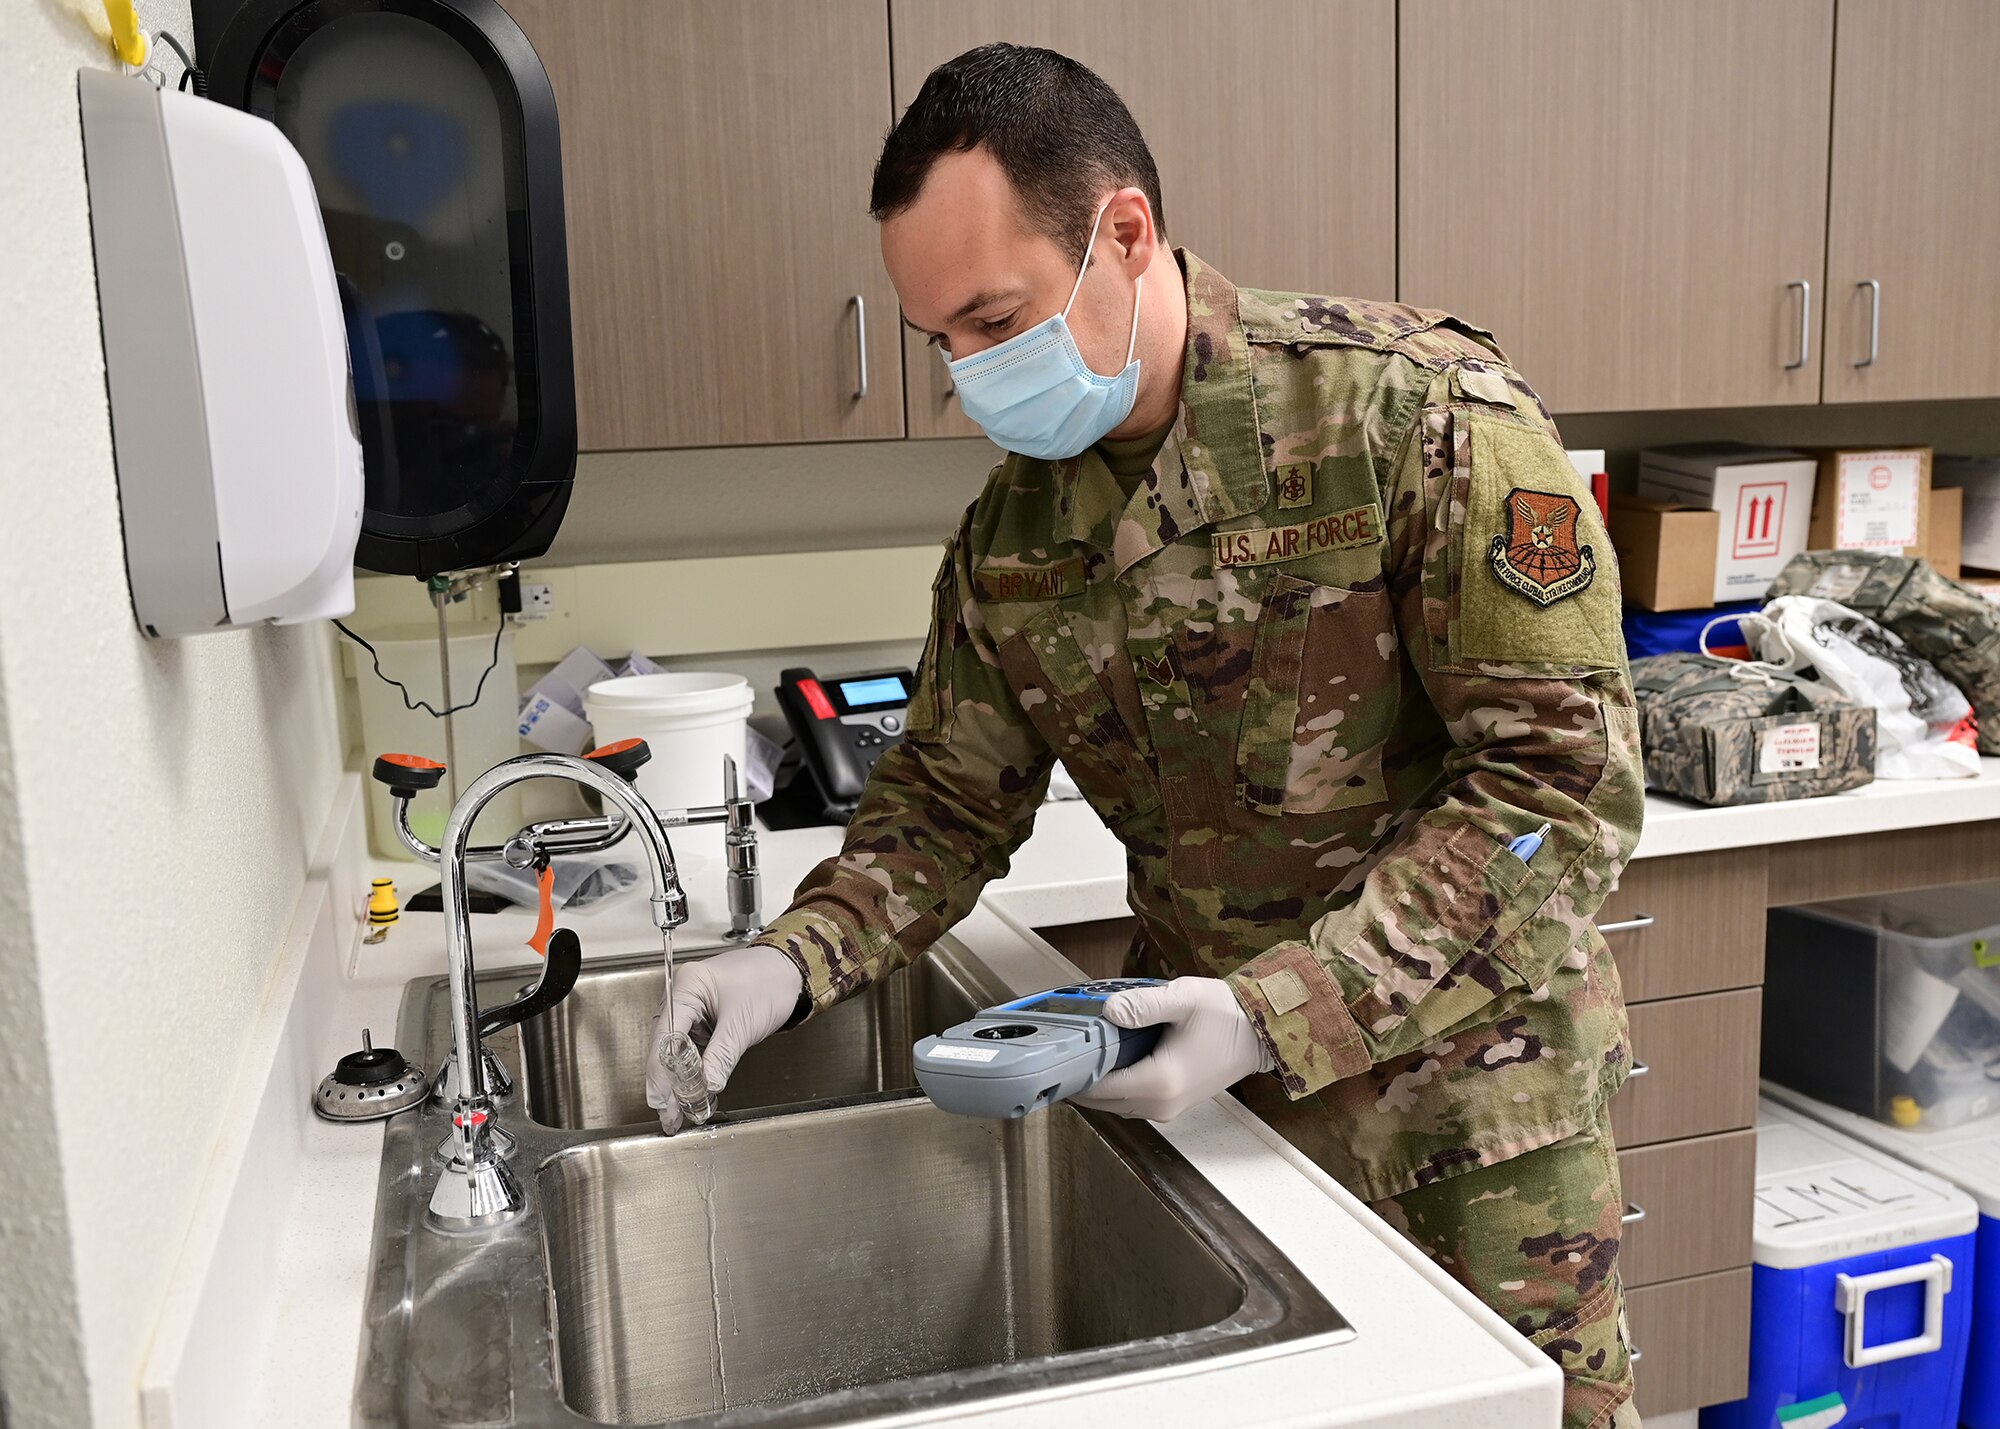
1206	1046
741	997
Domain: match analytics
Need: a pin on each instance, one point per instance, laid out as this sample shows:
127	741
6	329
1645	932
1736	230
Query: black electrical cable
190	72
404	690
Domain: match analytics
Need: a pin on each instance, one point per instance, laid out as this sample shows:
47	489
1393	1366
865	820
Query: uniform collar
1216	434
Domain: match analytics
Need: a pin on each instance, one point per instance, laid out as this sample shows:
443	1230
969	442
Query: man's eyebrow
965	310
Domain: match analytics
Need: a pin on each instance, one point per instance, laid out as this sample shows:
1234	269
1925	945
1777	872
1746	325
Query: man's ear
1129	218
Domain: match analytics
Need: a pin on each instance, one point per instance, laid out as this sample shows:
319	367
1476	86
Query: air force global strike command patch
1537	555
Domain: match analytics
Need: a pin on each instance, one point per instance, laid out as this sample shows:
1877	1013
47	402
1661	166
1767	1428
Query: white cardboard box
1979	542
1765	498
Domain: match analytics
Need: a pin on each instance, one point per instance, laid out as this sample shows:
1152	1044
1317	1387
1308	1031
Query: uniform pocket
1060	692
931	703
1325	677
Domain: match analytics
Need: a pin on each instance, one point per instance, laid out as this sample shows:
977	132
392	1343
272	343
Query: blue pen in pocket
1525	846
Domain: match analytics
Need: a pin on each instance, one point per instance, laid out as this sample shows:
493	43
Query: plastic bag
1918	711
579	882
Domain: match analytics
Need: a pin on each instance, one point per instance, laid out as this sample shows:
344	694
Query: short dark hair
1060	134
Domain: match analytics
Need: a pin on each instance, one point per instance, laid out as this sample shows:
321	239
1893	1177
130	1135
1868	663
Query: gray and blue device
1031	1053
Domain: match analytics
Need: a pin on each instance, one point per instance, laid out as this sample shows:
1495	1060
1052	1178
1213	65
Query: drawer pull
1633	1215
1850	1297
1639	1069
1628	925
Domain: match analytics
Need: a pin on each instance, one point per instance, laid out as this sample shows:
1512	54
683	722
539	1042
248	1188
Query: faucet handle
622	758
407	774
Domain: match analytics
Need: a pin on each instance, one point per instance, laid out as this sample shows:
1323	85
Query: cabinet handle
1874	321
1632	1355
1628	925
1633	1215
860	345
1639	1069
1805	322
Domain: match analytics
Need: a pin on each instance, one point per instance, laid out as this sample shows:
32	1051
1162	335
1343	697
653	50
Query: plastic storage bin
1968	1156
1888	1005
1861	1295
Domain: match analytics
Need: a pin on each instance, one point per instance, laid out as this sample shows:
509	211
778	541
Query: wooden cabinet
1271	121
1700	1060
1914	207
1622	192
1692	1338
716	157
1695	923
1688	1205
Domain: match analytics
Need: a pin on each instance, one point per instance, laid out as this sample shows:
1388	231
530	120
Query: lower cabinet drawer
1700	1061
1689	923
1693	1341
1688	1206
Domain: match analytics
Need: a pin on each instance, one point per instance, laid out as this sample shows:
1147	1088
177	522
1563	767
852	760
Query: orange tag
545	921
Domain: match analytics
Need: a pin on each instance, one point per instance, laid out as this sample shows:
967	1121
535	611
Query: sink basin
864	1259
583	1061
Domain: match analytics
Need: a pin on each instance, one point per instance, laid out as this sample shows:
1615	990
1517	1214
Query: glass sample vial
683	1064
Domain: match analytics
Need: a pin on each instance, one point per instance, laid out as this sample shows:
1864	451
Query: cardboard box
1978	477
1764	499
1666	552
1944	520
1871	499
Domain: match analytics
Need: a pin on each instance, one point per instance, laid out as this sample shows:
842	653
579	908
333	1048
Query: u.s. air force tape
1336	531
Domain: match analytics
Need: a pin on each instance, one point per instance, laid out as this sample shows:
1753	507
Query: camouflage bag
1729	732
1947	622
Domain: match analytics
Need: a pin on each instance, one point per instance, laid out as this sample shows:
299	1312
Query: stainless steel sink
845	1261
583	1061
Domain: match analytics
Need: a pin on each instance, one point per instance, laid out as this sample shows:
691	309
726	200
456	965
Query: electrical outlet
538	602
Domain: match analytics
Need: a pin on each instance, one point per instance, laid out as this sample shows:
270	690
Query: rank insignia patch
1538	555
1295	487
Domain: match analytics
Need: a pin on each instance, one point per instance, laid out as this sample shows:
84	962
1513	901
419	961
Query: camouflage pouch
1947	622
1722	732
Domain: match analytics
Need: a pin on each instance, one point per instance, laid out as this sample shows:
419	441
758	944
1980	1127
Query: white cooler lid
1822	1196
1966	1155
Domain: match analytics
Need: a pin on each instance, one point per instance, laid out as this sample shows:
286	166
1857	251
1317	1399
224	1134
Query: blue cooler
1968	1156
1861	1296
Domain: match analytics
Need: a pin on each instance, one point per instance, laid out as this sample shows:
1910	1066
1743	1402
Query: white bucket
689	719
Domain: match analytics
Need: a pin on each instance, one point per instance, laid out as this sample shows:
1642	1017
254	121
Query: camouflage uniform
1947	622
1348	639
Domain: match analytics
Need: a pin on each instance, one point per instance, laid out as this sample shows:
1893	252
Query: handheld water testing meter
1031	1053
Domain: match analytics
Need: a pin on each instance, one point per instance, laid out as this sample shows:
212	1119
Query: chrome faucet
477	1188
407	775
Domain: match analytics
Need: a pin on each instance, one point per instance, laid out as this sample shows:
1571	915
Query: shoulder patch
1538	555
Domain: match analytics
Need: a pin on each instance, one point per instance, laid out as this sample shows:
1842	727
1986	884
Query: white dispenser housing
225	352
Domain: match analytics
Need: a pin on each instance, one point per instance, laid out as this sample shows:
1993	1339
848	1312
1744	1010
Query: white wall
158	806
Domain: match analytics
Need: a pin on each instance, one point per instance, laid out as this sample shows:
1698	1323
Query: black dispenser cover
430	131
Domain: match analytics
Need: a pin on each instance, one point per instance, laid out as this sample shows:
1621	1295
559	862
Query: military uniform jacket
1356	631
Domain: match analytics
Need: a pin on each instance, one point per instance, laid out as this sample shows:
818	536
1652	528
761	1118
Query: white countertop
1425	1353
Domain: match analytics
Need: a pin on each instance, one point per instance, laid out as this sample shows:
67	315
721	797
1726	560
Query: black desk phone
843	724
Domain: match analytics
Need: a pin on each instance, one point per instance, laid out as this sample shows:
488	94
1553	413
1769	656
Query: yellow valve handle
127	39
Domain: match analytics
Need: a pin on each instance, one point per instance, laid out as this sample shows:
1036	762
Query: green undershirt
1130	458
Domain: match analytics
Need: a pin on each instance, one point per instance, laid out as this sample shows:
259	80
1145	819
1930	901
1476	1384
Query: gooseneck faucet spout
478	1188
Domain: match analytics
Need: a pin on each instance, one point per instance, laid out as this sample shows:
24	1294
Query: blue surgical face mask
1035	395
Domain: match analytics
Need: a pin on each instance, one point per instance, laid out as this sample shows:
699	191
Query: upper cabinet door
1270	121
1913	243
1628	194
725	281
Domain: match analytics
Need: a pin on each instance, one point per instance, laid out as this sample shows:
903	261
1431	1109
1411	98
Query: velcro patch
1002	583
1284	990
1295	486
1337	531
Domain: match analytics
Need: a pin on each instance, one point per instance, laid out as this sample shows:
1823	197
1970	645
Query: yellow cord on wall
126	37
